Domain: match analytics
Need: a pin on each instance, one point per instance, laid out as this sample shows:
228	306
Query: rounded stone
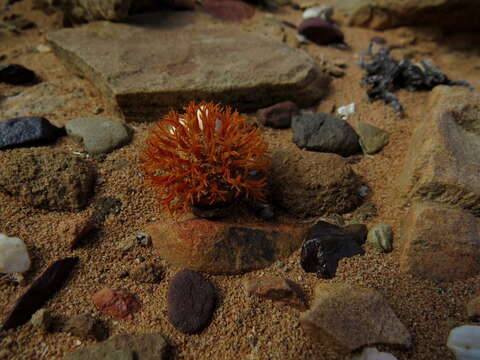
99	135
309	183
320	31
191	301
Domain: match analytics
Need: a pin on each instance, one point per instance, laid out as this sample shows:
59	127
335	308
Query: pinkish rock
229	10
224	248
276	289
320	31
278	116
116	303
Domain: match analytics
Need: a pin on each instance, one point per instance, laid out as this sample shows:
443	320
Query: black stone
25	131
41	290
191	301
325	133
326	244
320	31
15	74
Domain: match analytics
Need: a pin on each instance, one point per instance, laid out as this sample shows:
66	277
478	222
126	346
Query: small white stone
302	39
345	111
13	255
43	48
464	341
323	11
374	354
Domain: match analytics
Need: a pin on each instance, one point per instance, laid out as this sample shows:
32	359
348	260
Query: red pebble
116	303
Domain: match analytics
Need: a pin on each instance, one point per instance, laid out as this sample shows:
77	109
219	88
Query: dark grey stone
15	74
191	301
25	131
320	31
325	133
41	290
326	244
278	116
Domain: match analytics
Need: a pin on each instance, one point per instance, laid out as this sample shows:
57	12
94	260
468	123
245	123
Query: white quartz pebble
13	255
374	354
464	341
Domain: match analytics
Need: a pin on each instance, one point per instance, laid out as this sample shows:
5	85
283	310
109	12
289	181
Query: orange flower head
205	156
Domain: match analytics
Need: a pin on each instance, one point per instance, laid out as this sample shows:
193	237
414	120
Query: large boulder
145	70
442	163
440	243
384	14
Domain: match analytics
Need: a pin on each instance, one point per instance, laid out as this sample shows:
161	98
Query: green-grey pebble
381	237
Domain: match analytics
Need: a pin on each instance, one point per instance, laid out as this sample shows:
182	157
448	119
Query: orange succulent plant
207	155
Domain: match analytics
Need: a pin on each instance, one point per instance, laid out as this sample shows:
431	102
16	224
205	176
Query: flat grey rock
143	69
98	135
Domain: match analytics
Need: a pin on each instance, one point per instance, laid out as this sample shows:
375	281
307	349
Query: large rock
150	69
224	248
442	163
384	14
145	347
346	317
311	184
46	178
440	243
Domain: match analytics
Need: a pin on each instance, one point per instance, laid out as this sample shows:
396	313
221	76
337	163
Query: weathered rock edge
442	163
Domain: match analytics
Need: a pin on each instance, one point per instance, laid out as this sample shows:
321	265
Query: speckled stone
191	301
27	131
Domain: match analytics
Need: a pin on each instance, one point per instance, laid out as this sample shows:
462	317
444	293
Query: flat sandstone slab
144	70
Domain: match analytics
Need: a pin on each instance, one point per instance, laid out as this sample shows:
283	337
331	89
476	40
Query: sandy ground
242	327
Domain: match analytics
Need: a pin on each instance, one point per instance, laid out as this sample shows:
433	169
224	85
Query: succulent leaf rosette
205	156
